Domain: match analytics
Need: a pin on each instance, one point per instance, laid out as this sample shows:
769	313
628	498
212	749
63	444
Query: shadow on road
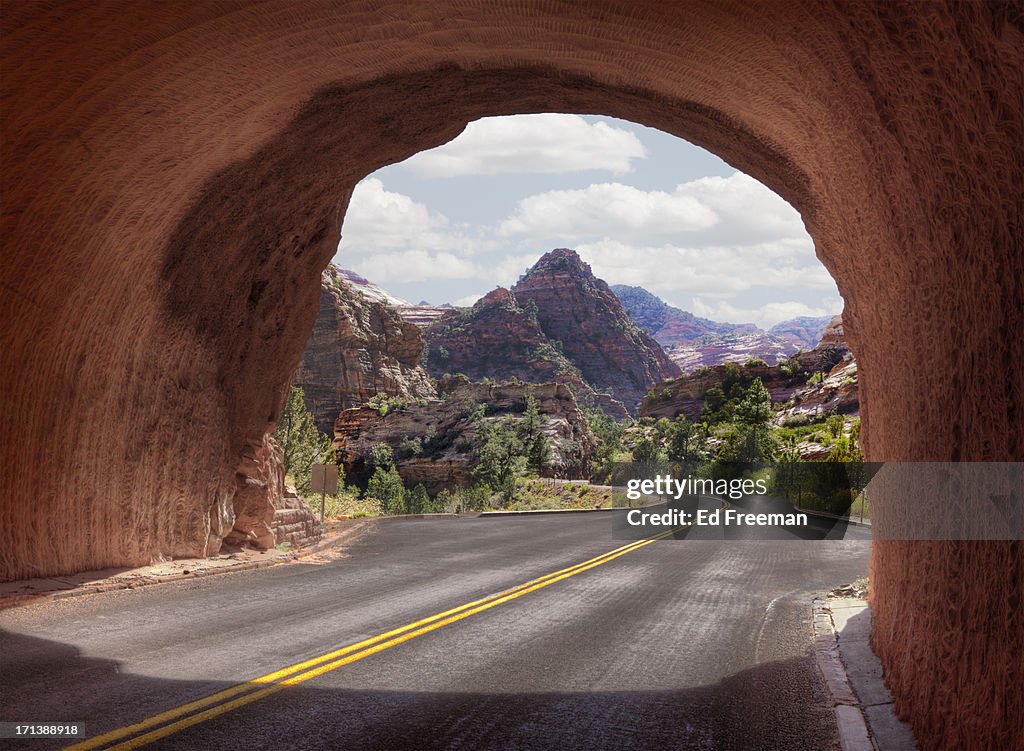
777	705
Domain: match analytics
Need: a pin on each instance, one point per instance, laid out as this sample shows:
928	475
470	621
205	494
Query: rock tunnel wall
173	184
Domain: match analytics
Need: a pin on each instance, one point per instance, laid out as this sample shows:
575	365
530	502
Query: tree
532	420
646	451
386	484
418	501
538	456
686	441
303	445
501	460
756	407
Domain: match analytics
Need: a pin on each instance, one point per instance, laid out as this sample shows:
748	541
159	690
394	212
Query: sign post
324	478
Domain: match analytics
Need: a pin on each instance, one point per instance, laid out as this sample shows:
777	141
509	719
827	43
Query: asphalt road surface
402	644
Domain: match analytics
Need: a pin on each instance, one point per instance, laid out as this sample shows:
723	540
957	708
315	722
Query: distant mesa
809	385
693	342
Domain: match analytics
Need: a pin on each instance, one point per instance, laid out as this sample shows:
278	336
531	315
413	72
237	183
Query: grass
533	494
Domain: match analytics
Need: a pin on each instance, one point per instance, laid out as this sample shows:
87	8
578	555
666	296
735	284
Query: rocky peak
583	318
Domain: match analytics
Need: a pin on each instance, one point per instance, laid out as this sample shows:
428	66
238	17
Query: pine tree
303	445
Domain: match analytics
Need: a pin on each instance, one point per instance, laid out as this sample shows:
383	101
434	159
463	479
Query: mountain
368	289
360	346
803	332
497	338
717	349
583	318
668	324
693	342
810	385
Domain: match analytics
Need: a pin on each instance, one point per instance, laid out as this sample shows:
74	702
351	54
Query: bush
755	362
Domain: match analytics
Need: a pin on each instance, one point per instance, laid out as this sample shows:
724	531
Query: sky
640	206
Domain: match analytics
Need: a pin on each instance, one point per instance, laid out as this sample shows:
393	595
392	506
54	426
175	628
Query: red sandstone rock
360	346
585	320
448	436
835	392
497	339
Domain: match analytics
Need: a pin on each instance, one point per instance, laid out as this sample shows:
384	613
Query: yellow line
354	652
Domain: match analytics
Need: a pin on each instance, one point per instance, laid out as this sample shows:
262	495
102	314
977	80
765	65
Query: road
690	644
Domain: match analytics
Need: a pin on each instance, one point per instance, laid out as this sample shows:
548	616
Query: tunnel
175	177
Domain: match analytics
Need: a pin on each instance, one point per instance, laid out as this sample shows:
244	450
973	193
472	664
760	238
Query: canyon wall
447	432
174	182
360	347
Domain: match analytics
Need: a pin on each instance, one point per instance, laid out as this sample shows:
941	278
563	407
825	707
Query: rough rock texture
293	523
589	325
173	186
260	481
835	394
497	339
448	435
360	346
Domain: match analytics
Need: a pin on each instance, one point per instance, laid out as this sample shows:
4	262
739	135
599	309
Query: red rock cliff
360	346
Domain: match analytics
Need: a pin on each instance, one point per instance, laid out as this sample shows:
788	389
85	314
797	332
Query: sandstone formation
794	383
497	339
668	324
173	186
446	436
581	316
692	342
266	510
360	346
803	332
423	315
722	348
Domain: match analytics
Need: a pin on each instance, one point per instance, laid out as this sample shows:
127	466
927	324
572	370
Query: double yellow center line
174	720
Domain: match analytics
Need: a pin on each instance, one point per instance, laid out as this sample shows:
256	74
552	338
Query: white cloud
411	266
708	271
606	209
711	211
467	301
764	316
380	219
546	143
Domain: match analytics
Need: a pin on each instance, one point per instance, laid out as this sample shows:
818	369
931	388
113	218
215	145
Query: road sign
324	478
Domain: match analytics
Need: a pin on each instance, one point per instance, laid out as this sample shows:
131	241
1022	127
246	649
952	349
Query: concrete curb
850	717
